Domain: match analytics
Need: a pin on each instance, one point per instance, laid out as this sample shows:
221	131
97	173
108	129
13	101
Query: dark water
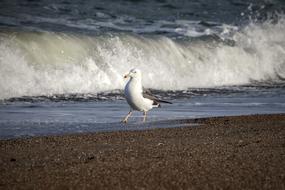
62	62
142	16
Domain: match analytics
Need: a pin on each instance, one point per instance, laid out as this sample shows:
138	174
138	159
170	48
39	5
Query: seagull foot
124	121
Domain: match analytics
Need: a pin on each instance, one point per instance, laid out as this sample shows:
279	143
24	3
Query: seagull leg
144	116
125	120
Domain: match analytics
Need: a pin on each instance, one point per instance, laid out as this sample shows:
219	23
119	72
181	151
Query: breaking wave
45	63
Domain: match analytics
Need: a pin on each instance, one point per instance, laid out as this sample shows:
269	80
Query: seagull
136	98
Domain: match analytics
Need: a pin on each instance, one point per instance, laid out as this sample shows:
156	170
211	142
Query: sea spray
45	63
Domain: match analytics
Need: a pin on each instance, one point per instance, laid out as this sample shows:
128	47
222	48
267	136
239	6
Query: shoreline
232	152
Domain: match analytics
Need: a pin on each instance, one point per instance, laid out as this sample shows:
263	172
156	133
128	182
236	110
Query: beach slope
240	152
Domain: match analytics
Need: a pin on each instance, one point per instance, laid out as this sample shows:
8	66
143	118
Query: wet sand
244	152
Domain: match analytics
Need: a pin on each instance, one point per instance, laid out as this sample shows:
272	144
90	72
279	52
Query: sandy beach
241	152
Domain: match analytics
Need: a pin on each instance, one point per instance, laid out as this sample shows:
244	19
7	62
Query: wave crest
56	63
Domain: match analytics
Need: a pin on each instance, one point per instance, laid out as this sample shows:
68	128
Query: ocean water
62	62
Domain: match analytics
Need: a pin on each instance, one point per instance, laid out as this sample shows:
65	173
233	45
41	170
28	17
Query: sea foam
45	63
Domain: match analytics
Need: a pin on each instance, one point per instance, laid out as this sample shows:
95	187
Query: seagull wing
147	94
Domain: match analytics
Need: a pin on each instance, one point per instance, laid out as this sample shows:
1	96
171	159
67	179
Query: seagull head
134	73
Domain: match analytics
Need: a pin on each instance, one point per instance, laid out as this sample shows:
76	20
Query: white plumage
136	98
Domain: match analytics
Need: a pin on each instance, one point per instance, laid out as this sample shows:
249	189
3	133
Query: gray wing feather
147	94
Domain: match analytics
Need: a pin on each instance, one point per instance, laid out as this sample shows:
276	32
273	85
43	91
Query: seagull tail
156	103
163	101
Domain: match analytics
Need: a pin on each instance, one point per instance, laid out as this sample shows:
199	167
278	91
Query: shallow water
23	118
